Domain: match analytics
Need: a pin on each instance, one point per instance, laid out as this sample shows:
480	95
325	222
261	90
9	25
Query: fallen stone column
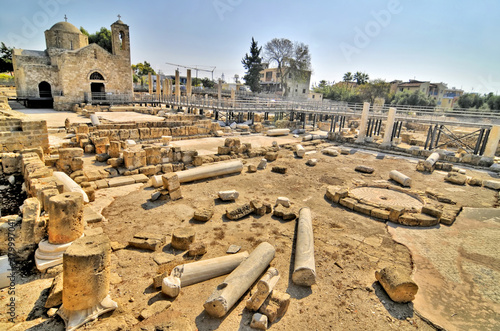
86	276
94	119
400	178
300	151
238	282
264	287
192	273
397	283
70	185
431	161
304	273
208	171
278	132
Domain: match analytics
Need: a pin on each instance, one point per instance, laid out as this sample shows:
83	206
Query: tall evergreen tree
253	66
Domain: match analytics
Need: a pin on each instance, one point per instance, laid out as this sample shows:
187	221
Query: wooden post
238	282
304	272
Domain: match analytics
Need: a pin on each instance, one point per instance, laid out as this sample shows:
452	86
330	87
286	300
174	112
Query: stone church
71	71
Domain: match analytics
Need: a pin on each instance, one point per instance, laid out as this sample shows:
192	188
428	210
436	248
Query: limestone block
330	151
456	178
46	195
379	213
149	241
182	238
155	308
259	321
493	184
271	156
153	155
203	214
140	178
262	164
400	178
239	211
397	283
31	219
65	217
175	194
279	170
252	168
86	272
134	159
474	181
102	157
166	139
228	195
284	201
148	170
263	288
114	149
350	203
82	129
55	295
120	181
171	181
312	162
115	162
335	193
278	132
364	169
432	211
285	213
197	249
157	181
230	142
11	163
275	306
258	207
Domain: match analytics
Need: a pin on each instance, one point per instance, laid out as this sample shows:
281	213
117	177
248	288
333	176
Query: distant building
270	82
70	70
439	91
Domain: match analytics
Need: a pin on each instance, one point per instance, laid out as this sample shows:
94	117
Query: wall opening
122	40
98	91
96	76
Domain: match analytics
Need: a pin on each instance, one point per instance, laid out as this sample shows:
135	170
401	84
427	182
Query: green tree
142	69
6	58
253	65
361	78
378	88
292	59
493	101
415	98
348	77
207	83
470	100
196	82
101	38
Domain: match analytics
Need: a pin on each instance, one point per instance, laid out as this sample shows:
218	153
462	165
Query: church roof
65	26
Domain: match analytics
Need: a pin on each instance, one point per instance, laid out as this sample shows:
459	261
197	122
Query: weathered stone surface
312	162
233	249
275	306
197	249
397	283
285	213
140	178
120	181
348	202
259	321
379	213
55	295
432	211
364	169
171	181
149	241
363	209
474	181
65	217
279	170
203	214
239	211
284	201
262	164
155	308
493	184
228	195
426	220
155	196
182	238
271	156
259	208
175	195
90	215
335	193
102	157
456	178
252	168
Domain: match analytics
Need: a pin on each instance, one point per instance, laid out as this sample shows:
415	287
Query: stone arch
44	90
96	75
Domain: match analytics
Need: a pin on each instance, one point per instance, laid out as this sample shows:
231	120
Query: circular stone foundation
386	197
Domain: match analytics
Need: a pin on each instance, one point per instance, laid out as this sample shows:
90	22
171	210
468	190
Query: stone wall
18	132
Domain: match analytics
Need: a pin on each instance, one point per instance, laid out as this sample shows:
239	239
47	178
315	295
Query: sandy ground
455	267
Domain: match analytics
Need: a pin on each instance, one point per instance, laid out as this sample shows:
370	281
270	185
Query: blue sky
456	42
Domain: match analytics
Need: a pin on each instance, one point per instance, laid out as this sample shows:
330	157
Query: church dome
65	26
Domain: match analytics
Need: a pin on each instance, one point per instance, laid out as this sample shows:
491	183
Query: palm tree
361	78
348	77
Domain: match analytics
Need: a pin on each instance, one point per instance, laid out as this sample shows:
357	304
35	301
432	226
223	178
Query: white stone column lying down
400	178
70	185
278	132
300	150
192	273
431	160
239	281
207	171
304	271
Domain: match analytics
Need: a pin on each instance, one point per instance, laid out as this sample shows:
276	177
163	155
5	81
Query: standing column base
48	255
73	319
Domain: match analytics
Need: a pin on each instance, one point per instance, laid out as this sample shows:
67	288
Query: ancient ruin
192	210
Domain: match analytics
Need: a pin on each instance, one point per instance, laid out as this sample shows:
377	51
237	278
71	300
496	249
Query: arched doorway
98	91
44	90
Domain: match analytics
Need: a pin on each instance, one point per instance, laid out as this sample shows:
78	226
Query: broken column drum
431	160
400	178
86	276
65	217
192	273
238	282
263	288
210	171
304	273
